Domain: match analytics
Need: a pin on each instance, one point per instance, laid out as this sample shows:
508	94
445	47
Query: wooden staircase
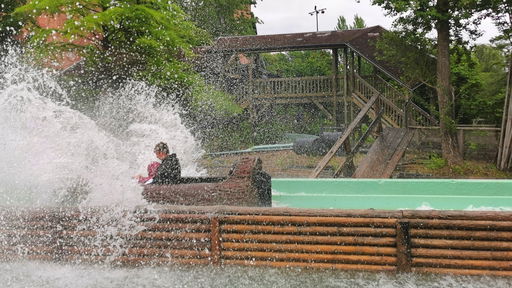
343	140
385	153
392	141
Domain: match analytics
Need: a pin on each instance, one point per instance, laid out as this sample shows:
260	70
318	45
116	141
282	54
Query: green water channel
393	194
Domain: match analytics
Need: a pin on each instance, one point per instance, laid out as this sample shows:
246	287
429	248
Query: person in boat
152	169
169	172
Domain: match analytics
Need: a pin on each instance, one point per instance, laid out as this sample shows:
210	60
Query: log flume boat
245	185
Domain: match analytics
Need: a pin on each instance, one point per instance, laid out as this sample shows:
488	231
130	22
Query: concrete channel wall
393	194
459	242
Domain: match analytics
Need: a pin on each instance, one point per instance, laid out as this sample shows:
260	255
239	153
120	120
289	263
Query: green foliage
500	12
465	81
357	24
435	162
478	75
221	17
9	25
412	53
207	99
474	170
449	19
369	140
275	121
480	81
341	24
236	132
472	146
147	40
298	63
231	135
423	16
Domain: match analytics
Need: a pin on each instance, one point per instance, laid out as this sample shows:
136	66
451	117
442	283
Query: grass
283	164
434	165
470	169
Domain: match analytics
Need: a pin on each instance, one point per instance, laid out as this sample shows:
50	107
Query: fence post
403	247
460	140
215	241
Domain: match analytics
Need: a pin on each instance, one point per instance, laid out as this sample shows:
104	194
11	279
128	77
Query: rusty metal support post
403	247
215	241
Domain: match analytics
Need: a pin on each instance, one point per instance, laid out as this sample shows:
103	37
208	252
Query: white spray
48	150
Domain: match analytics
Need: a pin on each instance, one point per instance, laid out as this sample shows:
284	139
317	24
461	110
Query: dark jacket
169	172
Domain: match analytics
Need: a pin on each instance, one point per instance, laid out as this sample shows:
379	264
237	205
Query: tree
221	17
449	19
412	53
147	40
9	25
479	80
501	13
342	24
357	24
299	63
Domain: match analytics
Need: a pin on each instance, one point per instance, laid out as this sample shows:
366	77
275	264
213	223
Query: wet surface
40	274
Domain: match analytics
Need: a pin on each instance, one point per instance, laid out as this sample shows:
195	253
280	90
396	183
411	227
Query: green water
393	194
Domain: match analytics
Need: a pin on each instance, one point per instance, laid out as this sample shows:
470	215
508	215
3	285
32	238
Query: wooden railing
392	114
418	117
289	88
389	91
415	114
393	104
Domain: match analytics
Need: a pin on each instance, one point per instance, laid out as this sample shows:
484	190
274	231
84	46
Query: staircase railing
385	88
392	114
393	103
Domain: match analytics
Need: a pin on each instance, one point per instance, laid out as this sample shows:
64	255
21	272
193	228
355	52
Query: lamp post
316	12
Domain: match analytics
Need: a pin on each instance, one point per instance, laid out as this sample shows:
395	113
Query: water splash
49	150
37	274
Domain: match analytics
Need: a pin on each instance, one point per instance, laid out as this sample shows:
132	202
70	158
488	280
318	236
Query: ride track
457	242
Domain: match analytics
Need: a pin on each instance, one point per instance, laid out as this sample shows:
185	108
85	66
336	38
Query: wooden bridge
381	94
345	87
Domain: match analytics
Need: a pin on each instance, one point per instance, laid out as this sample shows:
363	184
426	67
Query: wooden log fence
459	242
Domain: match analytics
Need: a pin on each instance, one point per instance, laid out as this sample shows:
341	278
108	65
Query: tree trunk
505	145
446	122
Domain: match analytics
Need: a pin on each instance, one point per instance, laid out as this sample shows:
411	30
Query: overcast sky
290	16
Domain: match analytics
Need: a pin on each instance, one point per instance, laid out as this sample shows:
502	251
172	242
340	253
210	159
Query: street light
316	12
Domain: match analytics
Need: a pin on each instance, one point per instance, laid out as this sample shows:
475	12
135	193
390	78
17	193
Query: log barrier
456	242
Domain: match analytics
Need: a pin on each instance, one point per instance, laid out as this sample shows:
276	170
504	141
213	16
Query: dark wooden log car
245	185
